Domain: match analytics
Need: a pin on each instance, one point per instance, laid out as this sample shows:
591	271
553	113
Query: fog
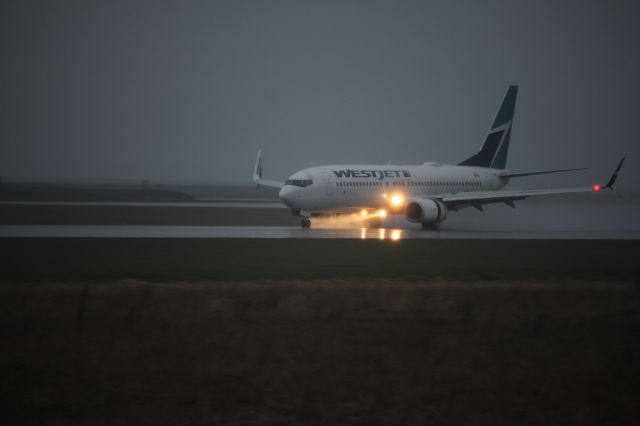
188	91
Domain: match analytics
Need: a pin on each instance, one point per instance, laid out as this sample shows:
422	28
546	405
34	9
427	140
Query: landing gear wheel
305	223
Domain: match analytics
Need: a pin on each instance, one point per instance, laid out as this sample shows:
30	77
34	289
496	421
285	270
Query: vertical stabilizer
495	148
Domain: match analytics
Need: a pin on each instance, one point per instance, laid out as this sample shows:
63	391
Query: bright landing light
396	200
363	212
382	213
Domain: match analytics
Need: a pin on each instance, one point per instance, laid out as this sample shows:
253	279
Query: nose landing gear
305	223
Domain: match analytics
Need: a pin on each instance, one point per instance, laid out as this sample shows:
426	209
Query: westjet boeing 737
424	193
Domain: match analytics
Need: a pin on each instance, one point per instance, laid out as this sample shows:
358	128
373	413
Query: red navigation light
596	188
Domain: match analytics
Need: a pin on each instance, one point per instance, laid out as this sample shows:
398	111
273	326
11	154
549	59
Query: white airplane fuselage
423	193
331	188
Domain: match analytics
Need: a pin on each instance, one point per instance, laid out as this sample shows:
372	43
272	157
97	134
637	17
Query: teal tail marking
495	148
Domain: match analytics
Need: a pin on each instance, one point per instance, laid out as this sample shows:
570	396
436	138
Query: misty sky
190	90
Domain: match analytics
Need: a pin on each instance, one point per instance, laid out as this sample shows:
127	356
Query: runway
286	232
565	219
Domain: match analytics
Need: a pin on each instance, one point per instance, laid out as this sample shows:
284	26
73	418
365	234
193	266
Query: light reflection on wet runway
390	234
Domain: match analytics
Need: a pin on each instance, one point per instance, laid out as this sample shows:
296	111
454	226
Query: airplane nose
287	195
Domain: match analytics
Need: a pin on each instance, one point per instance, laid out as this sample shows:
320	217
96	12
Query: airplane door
329	183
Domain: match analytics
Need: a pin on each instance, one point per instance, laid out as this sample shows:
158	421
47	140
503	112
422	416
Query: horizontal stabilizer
542	172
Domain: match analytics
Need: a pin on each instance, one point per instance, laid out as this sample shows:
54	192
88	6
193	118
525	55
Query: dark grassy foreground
319	332
321	353
262	259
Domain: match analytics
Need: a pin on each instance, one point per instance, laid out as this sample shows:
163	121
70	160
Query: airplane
424	193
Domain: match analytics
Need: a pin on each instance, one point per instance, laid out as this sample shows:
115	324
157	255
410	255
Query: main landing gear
305	223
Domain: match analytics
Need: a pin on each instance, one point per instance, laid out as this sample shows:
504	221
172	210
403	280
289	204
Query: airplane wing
257	175
477	199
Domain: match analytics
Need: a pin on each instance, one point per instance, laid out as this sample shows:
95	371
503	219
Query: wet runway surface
566	218
394	234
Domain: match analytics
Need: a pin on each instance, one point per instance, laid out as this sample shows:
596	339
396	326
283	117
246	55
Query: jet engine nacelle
426	211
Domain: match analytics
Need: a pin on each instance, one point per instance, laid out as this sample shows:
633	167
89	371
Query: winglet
614	176
257	171
257	175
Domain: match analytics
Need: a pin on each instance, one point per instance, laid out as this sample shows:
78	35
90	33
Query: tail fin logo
495	148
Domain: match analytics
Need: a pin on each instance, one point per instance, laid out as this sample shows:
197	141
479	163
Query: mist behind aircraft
188	91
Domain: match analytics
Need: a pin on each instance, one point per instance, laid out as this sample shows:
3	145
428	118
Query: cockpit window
299	182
